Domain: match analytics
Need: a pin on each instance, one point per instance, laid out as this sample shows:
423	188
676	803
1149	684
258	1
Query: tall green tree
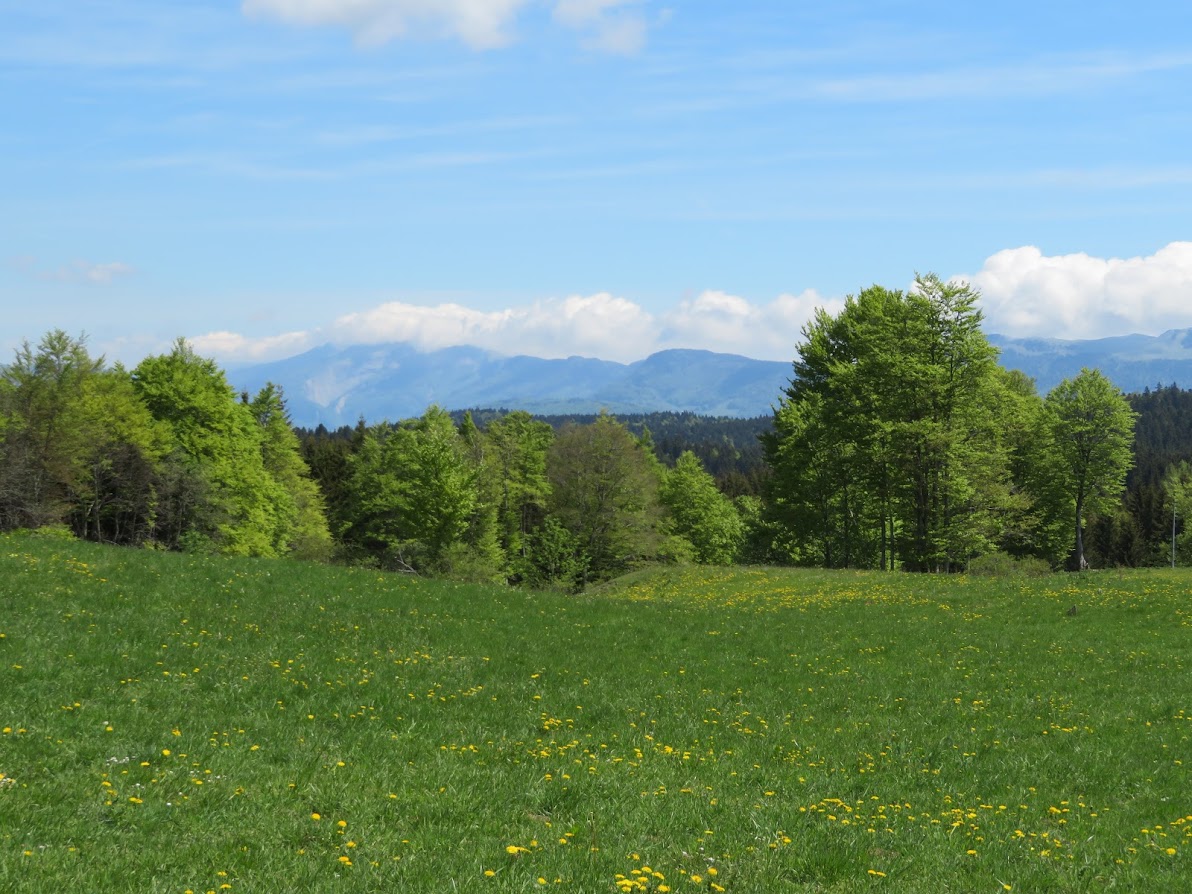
1177	484
884	445
115	497
516	450
701	513
327	456
78	446
302	512
217	493
43	445
414	490
604	491
1091	427
1027	525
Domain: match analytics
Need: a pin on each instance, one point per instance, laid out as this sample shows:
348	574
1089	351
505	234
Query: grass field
175	724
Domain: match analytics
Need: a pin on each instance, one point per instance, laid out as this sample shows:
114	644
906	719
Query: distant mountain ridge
337	386
1132	362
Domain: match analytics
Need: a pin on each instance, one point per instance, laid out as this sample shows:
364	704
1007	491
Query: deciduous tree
604	490
1092	429
220	496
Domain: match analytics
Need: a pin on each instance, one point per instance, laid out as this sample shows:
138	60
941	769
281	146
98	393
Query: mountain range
336	386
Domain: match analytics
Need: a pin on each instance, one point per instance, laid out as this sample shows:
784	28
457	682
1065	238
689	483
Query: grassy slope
173	723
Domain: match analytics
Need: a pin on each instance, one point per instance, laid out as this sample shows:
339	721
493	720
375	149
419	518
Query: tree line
162	455
167	455
899	443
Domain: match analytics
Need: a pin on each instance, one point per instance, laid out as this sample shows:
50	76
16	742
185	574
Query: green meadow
180	724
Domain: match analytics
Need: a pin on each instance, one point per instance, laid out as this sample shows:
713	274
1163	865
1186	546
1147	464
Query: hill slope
337	386
173	723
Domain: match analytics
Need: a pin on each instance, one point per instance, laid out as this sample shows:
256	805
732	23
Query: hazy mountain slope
1132	362
337	386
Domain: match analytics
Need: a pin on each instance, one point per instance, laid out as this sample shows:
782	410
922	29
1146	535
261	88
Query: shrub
1000	564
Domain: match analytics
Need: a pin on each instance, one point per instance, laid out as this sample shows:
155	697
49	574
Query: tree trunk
1081	564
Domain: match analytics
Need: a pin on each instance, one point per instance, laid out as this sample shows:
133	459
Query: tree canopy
899	443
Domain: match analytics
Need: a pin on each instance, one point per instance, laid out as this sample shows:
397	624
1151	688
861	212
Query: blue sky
602	177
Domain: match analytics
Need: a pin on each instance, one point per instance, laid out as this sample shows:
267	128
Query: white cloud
581	13
599	325
1027	293
610	26
718	321
103	273
235	347
623	35
481	24
1024	293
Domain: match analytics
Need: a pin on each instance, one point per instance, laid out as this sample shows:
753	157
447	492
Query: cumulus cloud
482	24
1027	293
599	325
718	321
1024	293
232	346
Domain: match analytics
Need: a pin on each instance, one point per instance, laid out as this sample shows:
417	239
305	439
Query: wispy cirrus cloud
74	271
615	26
609	25
1029	77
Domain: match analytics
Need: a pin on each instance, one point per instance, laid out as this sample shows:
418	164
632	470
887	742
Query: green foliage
1177	484
898	444
553	559
515	449
701	513
1091	427
48	532
999	564
78	446
604	490
220	490
115	496
302	512
44	445
415	492
888	446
